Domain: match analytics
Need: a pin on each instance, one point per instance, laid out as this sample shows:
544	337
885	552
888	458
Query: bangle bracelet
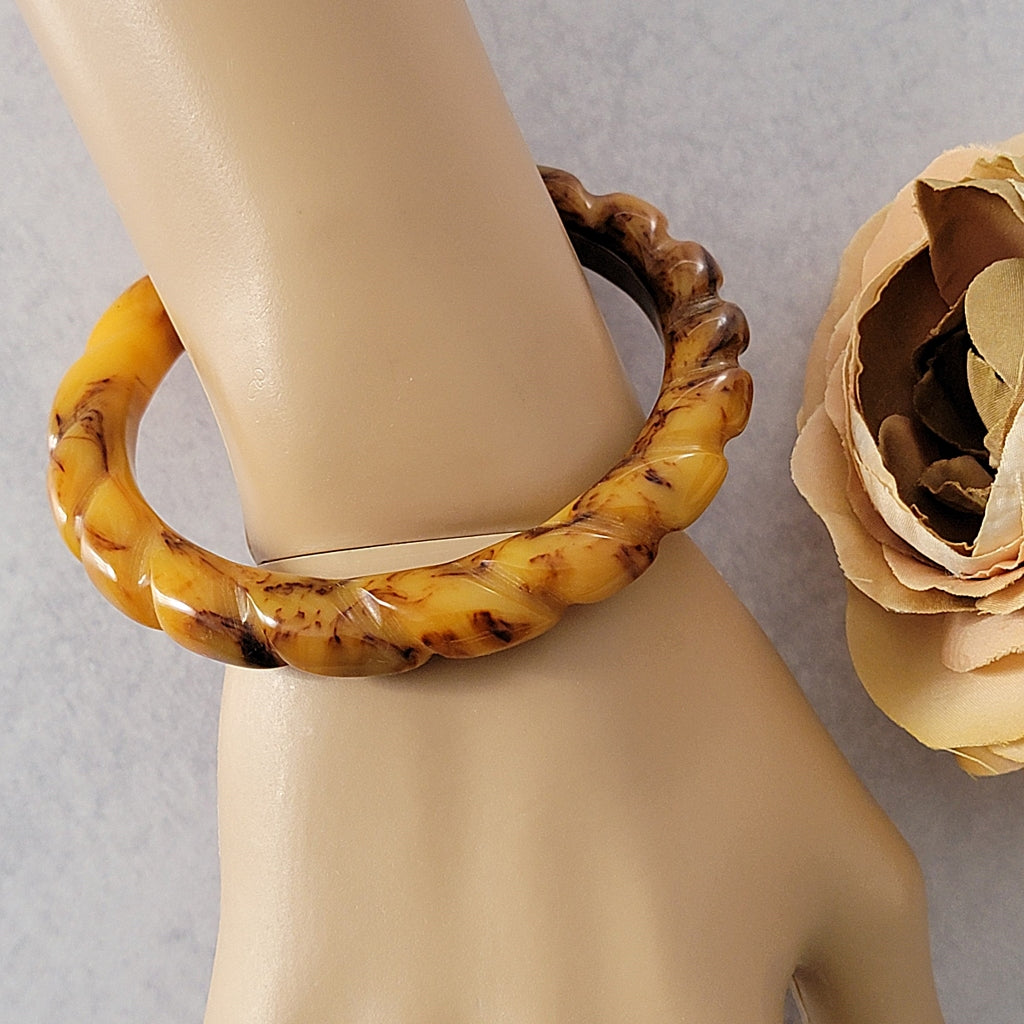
492	599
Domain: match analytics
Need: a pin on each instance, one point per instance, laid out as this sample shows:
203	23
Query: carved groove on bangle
391	622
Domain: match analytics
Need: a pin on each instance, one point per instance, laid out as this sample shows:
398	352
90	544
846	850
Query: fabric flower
911	449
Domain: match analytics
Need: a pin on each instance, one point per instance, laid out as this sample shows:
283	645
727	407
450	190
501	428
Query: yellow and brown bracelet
391	622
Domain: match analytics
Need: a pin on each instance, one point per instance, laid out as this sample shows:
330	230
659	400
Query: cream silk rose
911	449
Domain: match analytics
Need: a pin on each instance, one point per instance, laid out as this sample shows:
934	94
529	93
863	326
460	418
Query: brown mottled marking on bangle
98	540
636	558
255	652
656	478
485	622
283	587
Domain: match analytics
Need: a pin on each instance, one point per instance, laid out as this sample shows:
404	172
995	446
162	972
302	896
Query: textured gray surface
767	131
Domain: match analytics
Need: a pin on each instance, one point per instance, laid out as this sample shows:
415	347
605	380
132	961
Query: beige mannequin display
634	818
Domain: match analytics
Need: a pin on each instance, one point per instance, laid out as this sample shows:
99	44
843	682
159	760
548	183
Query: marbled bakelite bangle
391	622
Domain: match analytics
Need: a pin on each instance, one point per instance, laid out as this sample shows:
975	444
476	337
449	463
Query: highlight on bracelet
485	602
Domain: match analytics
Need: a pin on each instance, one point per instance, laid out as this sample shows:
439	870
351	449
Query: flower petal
973	640
1002	527
995	401
908	451
961	482
898	658
876	526
970	226
888	333
1007	163
998	759
994	308
919	575
1006	599
820	473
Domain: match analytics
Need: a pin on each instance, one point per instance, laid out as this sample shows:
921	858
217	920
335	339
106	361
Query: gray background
768	131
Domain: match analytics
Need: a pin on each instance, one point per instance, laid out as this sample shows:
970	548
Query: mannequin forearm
343	221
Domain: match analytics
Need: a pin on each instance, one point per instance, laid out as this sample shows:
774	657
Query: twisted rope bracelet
391	622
